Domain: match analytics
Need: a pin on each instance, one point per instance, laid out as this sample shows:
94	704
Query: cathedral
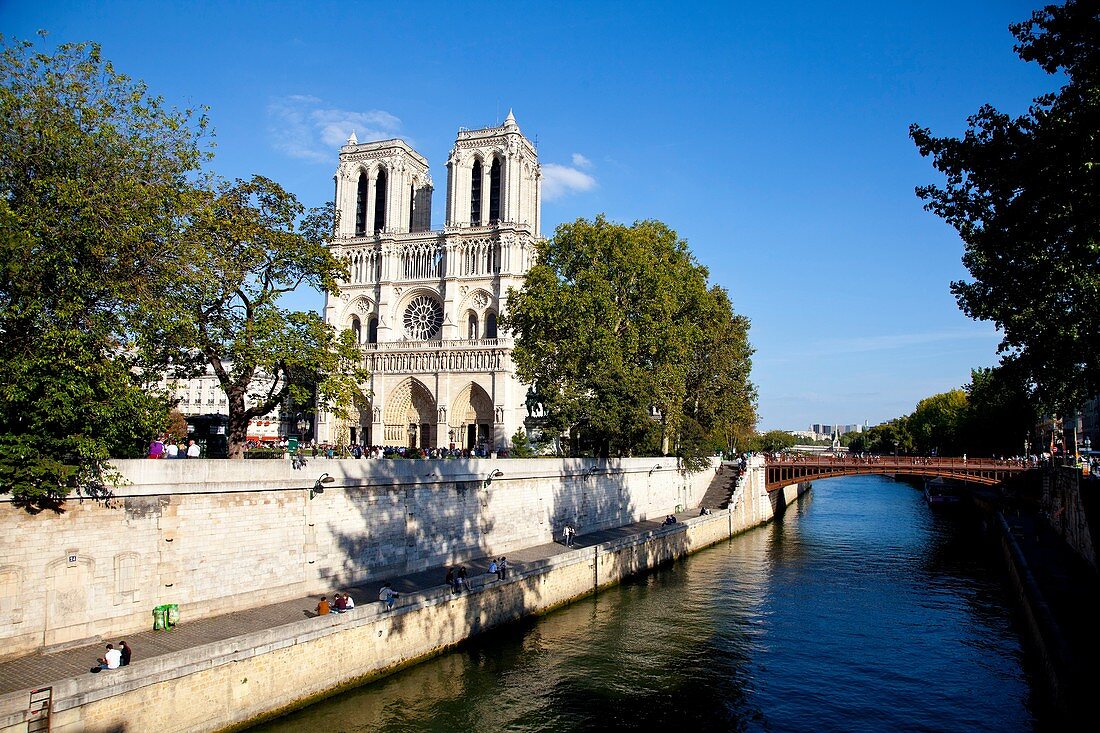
425	304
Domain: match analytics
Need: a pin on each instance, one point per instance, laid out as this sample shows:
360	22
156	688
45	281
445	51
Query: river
860	610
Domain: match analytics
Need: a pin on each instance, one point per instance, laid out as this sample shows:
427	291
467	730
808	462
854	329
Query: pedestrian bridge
786	470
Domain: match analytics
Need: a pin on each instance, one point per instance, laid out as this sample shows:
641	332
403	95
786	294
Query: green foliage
249	243
93	180
626	345
521	446
1001	413
773	441
1024	195
885	439
937	424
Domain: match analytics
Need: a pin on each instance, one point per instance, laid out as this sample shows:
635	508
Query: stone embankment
231	682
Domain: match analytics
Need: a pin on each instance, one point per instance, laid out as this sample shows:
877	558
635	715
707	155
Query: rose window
423	318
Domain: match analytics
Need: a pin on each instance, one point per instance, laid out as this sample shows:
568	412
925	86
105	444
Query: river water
860	610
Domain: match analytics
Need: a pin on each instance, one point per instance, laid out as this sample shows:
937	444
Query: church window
361	205
380	201
475	194
491	325
423	318
372	331
494	192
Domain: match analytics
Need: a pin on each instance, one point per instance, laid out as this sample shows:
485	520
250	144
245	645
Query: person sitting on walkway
670	520
452	581
463	578
112	659
323	608
339	604
493	568
126	652
349	602
388	595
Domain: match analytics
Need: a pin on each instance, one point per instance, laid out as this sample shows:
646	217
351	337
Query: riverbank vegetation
1024	195
109	222
630	350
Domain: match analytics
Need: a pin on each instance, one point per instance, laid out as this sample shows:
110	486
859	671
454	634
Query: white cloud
580	161
301	127
560	180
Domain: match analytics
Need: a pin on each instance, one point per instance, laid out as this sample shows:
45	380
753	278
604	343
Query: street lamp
303	425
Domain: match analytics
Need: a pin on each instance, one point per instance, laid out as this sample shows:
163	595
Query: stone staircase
721	487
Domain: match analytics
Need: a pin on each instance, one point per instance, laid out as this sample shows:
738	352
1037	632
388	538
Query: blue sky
771	136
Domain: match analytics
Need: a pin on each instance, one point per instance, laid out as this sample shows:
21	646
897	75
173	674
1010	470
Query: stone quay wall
222	536
228	685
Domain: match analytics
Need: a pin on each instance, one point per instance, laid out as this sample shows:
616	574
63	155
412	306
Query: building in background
425	304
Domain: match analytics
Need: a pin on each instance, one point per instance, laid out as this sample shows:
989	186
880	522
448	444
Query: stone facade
223	685
425	304
222	536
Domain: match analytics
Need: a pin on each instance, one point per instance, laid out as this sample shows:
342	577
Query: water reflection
861	610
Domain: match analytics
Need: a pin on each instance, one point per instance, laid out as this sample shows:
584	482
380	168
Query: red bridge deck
787	470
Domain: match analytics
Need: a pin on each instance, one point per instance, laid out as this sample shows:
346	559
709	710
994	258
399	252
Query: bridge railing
899	461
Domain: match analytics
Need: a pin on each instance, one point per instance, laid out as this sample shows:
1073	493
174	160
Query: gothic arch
471	416
477	300
410	403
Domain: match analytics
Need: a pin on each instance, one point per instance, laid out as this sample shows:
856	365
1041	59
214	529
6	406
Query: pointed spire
510	120
352	140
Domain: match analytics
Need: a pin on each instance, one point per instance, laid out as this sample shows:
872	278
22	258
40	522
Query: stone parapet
223	536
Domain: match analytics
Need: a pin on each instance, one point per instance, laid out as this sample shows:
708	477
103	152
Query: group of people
341	603
114	658
375	452
499	568
458	579
568	533
162	447
669	520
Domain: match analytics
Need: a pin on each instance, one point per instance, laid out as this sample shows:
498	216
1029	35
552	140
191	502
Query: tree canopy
121	255
625	344
94	179
1024	195
248	244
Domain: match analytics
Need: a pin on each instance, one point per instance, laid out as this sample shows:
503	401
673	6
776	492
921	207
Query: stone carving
442	414
426	362
481	299
377	414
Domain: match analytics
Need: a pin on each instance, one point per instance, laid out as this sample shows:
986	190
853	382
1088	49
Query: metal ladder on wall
38	712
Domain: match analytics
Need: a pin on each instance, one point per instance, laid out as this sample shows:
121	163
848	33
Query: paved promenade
39	670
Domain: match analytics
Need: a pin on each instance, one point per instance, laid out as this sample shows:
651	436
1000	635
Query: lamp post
303	425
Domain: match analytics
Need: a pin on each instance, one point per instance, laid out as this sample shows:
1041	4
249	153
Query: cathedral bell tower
493	178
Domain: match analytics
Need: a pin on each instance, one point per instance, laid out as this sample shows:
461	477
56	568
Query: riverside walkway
39	670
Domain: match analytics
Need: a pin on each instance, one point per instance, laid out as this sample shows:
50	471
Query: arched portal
410	416
471	418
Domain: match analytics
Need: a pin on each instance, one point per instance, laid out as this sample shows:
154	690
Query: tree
885	439
1024	195
774	441
1001	415
937	423
626	345
94	179
248	244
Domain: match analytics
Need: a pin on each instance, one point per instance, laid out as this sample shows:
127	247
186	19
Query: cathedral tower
425	304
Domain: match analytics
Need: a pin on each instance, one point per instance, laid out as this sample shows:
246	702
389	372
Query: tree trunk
237	433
